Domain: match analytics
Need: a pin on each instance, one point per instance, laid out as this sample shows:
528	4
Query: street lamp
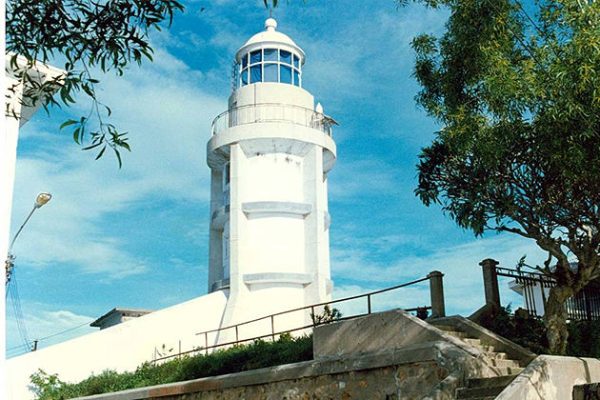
40	200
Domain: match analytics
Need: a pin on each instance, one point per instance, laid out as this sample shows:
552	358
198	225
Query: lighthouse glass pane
286	74
296	61
245	61
286	56
270	72
255	57
256	74
270	54
296	78
245	77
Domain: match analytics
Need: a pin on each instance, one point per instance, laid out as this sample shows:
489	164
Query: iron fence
536	287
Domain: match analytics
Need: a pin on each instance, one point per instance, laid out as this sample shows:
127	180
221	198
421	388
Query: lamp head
42	199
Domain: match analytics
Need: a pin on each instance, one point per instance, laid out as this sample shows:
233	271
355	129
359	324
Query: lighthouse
270	154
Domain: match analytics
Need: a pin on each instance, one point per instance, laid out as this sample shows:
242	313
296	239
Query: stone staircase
485	388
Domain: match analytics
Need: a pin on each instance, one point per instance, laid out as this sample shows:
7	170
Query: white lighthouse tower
269	155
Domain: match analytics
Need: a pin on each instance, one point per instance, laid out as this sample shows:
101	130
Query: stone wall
401	382
409	373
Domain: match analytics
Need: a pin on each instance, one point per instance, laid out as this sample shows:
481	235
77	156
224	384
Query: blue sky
138	237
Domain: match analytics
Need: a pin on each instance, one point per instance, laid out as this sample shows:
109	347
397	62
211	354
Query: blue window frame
268	65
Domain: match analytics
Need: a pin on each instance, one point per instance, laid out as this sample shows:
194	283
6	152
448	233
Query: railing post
436	290
490	281
273	327
206	343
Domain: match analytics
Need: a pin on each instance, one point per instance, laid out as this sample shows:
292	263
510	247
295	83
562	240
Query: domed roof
270	35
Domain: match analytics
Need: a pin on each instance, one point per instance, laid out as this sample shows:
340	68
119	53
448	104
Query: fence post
490	281
436	290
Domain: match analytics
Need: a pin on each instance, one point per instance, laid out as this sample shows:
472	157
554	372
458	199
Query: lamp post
40	200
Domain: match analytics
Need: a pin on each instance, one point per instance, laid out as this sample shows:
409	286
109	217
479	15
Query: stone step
493	381
510	370
473	342
460	335
485	348
496	354
486	391
445	327
498	362
483	398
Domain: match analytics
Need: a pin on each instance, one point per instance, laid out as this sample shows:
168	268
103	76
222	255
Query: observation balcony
269	113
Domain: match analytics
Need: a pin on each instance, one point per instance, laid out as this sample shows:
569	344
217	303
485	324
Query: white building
269	155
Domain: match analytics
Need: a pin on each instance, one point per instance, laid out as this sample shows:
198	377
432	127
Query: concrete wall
552	377
121	347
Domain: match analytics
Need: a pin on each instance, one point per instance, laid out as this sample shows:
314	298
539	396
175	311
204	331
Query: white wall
121	347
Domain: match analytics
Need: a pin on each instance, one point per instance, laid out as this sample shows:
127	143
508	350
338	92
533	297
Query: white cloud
168	116
46	325
370	178
372	55
463	284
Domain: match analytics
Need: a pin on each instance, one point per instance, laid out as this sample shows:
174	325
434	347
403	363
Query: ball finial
270	24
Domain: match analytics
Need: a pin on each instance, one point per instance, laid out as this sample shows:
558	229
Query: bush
530	332
259	354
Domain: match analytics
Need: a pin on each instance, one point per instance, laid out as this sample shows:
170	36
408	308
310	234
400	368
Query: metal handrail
269	113
313	306
271	317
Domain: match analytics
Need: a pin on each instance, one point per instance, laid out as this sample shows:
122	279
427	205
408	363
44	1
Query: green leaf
118	154
101	153
67	123
76	134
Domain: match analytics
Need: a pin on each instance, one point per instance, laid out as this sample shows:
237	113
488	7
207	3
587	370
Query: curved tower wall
269	237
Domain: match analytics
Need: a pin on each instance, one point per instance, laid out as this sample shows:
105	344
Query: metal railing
272	112
233	331
584	306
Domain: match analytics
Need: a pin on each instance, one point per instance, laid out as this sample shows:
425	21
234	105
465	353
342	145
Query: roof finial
270	24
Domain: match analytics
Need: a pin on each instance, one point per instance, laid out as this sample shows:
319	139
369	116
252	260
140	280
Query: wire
65	331
18	312
27	347
20	346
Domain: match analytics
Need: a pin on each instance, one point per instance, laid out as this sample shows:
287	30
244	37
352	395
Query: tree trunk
555	317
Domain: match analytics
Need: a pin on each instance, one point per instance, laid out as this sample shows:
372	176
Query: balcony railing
268	113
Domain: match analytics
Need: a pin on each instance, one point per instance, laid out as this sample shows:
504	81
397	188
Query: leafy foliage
259	354
84	36
328	315
530	332
516	89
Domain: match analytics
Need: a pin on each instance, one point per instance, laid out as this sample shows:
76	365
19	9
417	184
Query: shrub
258	354
530	332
